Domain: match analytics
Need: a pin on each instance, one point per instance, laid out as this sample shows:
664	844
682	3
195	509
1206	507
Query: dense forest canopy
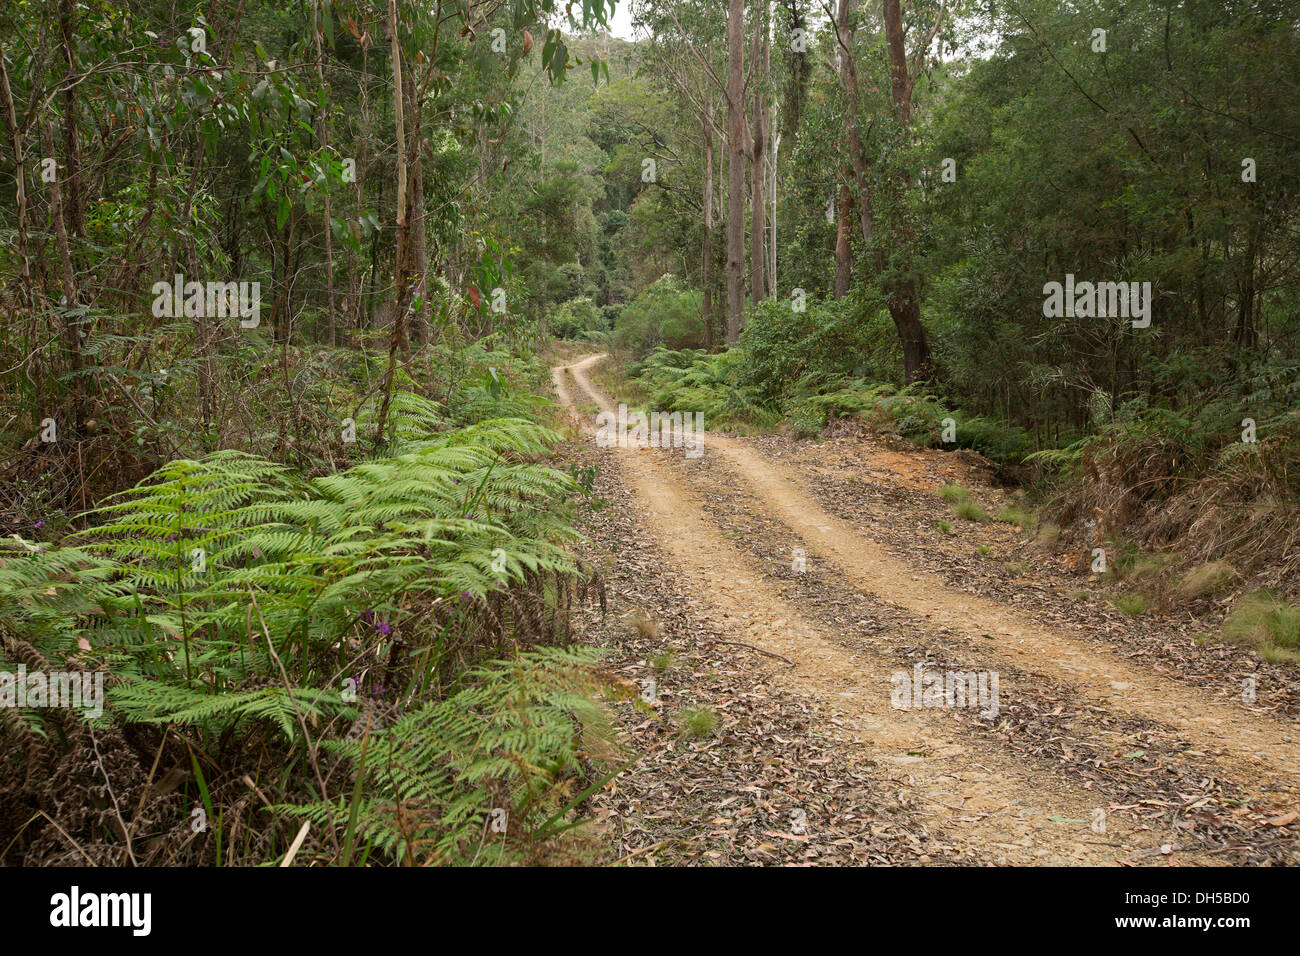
926	166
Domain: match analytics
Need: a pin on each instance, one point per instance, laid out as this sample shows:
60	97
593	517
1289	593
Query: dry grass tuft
1206	580
645	627
1269	623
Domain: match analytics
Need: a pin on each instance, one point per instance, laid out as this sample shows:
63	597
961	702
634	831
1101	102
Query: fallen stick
297	843
759	649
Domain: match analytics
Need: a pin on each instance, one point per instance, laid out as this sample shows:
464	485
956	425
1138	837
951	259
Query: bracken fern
228	591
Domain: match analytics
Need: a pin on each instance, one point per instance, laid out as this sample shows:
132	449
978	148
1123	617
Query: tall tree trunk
400	203
904	299
416	256
419	249
773	143
75	206
706	263
843	247
205	329
71	334
736	136
847	31
798	74
900	76
1246	334
322	136
397	338
757	169
773	155
720	253
363	164
20	181
35	366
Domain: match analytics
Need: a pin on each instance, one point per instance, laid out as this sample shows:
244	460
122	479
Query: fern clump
435	786
231	599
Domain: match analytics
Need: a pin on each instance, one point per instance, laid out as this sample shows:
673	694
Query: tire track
1263	754
981	796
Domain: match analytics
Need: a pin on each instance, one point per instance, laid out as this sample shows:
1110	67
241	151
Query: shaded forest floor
767	729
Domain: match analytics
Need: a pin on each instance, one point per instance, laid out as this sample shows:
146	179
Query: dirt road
1086	757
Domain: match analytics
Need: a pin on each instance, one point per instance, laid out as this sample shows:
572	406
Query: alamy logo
659	430
949	689
217	300
75	909
1124	300
81	690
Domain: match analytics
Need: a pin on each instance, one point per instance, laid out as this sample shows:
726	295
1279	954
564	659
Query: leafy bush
999	441
573	317
665	313
826	343
500	743
885	408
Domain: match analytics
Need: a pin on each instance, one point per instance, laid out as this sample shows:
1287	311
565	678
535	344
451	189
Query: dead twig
759	649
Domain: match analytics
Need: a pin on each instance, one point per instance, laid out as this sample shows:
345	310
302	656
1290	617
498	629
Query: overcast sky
621	25
981	44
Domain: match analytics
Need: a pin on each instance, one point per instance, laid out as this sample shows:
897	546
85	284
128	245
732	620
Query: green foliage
689	380
1129	199
496	384
790	352
1061	460
574	317
229	592
666	313
507	742
1132	604
184	559
908	412
996	440
969	511
817	390
697	722
806	421
1012	514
